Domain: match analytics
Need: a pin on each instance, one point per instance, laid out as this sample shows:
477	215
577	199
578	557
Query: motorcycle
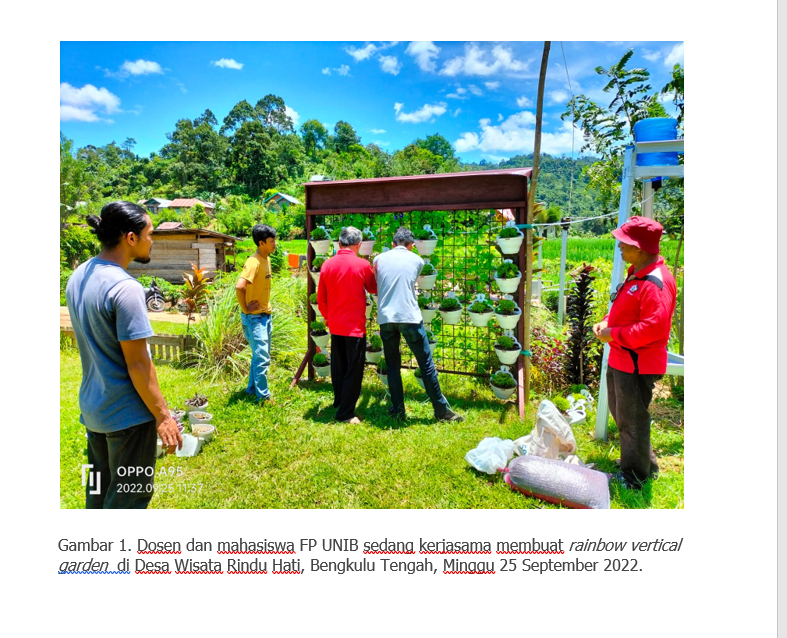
153	298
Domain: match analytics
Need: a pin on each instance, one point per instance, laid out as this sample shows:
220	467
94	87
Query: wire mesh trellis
465	258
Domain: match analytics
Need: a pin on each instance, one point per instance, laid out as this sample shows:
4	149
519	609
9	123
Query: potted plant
480	312
508	276
428	308
204	432
313	302
427	278
197	402
322	365
510	239
374	351
507	313
335	238
425	241
199	416
503	383
432	340
369	305
320	241
320	334
382	372
451	311
507	349
315	271
367	243
419	378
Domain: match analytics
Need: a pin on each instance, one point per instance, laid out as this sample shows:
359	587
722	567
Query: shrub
480	307
335	234
561	403
502	380
313	298
580	365
318	234
424	301
508	233
423	235
77	244
550	300
506	307
375	343
427	270
505	343
450	303
277	260
170	291
547	371
577	388
65	273
317	263
507	271
318	328
382	366
417	373
320	360
200	217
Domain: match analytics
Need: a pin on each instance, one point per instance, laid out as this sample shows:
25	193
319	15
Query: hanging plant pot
420	382
508	357
508	285
425	247
321	246
503	393
383	379
366	247
508	322
427	282
322	341
316	309
503	378
451	317
336	246
433	346
376	303
323	371
368	311
315	277
480	319
510	245
428	314
373	357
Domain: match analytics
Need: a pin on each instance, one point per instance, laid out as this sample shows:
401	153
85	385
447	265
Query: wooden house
175	249
182	204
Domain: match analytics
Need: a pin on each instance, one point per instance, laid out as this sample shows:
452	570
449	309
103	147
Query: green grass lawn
293	455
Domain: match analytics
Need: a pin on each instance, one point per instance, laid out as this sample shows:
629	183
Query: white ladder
631	173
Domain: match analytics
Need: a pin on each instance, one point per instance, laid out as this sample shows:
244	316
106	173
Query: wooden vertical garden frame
472	191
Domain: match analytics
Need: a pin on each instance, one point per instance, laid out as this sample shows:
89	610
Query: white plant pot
433	347
374	357
315	277
383	379
451	317
480	320
507	357
420	382
316	309
425	246
503	394
508	285
508	322
369	311
376	303
510	245
203	431
159	448
367	247
323	371
426	282
322	341
321	246
194	419
428	314
335	246
191	408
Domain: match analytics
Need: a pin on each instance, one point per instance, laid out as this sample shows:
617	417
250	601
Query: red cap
641	232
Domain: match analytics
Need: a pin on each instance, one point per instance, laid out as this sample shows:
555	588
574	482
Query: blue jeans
257	330
415	336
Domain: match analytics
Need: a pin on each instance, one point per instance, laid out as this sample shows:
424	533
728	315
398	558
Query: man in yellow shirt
254	297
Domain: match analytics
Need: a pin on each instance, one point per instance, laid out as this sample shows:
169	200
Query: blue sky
479	95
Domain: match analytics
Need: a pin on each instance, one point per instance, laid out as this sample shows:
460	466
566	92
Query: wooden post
521	369
531	200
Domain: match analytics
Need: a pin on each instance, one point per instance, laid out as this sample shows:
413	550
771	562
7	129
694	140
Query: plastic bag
551	438
491	455
557	482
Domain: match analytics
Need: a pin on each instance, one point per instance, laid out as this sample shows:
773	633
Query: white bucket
321	246
480	320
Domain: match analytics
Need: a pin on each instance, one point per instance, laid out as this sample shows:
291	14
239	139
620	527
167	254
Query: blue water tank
656	129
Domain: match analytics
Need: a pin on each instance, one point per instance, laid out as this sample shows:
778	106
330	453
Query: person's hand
170	435
252	306
597	328
605	335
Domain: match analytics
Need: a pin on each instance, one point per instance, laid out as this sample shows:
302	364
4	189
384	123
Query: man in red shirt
341	297
637	329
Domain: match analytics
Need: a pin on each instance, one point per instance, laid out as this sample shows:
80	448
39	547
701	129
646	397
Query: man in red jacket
341	298
637	329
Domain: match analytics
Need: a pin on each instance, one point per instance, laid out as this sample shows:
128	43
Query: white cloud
379	143
516	134
651	56
227	63
524	101
459	94
426	113
141	67
326	70
476	61
378	131
559	97
500	117
390	64
674	56
81	104
475	90
457	112
343	69
492	86
424	53
364	53
293	114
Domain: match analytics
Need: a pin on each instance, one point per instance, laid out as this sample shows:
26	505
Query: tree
344	136
438	145
314	136
253	160
75	182
200	217
272	111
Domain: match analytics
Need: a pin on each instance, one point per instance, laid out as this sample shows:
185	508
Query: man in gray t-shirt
398	316
120	401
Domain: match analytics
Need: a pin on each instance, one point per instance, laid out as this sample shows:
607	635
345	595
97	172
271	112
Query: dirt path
65	320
